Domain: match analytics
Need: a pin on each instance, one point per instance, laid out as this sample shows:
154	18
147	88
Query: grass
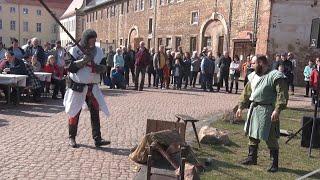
293	159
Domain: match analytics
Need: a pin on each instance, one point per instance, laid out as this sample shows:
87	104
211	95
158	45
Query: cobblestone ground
33	137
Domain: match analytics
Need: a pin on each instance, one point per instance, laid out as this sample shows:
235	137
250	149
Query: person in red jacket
314	80
142	60
57	78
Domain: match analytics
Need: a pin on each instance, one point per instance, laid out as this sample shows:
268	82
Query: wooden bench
186	119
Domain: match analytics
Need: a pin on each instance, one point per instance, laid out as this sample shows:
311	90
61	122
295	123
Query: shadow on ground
3	122
115	151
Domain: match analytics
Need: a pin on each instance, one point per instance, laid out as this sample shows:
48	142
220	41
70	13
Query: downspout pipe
155	23
255	23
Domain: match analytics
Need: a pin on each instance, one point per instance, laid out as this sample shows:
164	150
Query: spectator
109	61
2	51
59	55
203	54
177	73
24	47
307	73
132	61
159	62
35	64
17	51
57	78
288	71
235	73
37	50
33	80
47	50
216	70
277	62
12	65
126	58
314	80
118	60
171	57
142	60
186	69
294	65
224	66
150	69
195	68
207	70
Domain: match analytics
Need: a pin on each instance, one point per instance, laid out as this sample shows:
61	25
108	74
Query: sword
62	26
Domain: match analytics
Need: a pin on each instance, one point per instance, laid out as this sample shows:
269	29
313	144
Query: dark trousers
307	83
207	80
193	78
94	114
234	79
159	77
127	72
59	85
185	77
223	77
152	73
291	83
177	82
139	70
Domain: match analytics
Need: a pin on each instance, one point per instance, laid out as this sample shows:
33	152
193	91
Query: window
168	42
149	43
136	5
170	1
39	12
0	38
13	25
101	13
126	42
141	5
207	42
12	9
151	3
159	42
193	44
122	6
96	15
107	12
93	16
38	27
161	2
128	5
121	41
25	26
55	28
0	23
87	18
25	11
113	11
150	26
195	17
178	42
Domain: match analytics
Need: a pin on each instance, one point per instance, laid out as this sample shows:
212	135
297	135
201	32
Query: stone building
24	19
242	27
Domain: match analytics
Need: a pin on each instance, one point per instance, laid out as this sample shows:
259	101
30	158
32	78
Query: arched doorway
134	39
214	34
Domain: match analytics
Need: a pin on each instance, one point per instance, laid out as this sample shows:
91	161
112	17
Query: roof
55	4
75	4
97	3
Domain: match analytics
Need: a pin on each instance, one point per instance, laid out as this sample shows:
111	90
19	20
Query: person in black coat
224	66
37	50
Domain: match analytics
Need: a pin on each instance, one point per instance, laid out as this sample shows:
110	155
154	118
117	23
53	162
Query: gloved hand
100	68
84	61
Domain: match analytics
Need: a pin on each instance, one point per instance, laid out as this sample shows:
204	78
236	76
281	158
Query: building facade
242	27
24	19
72	21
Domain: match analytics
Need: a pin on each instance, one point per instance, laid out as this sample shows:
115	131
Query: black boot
101	142
275	159
237	87
252	156
73	143
231	87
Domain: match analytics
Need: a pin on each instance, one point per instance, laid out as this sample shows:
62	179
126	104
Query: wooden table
43	76
13	80
190	119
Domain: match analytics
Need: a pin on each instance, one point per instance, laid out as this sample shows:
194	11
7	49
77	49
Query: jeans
153	73
207	80
177	82
185	77
126	74
159	77
193	78
139	70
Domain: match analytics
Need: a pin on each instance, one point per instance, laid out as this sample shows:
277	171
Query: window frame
191	21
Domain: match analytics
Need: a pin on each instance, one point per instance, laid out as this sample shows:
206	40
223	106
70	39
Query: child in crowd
57	77
177	74
307	73
36	66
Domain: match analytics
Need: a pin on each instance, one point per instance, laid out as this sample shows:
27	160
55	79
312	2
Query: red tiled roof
71	9
55	4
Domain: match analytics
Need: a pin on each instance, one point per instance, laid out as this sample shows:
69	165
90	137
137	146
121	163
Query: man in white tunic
83	89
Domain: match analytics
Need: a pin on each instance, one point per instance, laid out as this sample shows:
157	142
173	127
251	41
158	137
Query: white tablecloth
13	79
43	76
